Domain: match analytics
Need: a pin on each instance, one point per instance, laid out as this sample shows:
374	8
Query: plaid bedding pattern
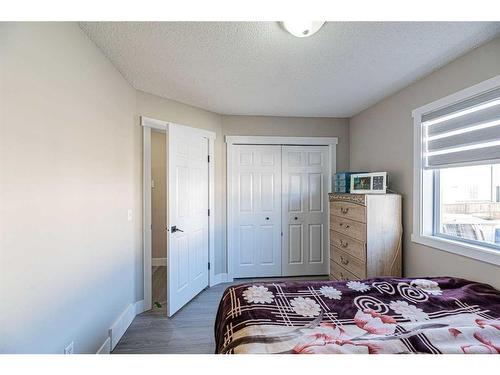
381	315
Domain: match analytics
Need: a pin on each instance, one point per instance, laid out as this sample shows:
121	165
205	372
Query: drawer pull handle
347	226
344	210
344	244
345	262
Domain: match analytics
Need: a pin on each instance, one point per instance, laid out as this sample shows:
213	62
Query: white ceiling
256	68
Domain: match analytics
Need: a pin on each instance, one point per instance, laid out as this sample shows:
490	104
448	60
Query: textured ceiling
256	68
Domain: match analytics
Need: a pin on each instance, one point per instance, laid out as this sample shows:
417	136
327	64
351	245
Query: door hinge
208	212
208	265
208	158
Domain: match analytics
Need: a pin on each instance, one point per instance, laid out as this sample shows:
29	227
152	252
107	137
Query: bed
380	315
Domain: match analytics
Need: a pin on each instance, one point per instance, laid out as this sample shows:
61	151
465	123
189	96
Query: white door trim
148	124
331	142
263	140
146	216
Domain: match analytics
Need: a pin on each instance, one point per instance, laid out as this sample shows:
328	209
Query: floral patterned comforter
382	315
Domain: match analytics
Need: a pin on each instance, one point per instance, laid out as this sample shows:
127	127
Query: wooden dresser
365	236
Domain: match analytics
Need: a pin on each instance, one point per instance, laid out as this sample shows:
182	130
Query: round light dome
301	29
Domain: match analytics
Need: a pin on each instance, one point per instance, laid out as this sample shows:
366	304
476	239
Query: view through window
470	203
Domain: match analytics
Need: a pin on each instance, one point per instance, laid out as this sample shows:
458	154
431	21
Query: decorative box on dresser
365	236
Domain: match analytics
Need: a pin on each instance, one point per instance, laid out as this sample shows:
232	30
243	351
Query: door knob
174	229
267	218
295	218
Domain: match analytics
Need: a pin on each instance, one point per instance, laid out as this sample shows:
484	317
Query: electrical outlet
130	214
69	349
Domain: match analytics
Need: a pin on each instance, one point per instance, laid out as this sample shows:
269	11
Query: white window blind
463	133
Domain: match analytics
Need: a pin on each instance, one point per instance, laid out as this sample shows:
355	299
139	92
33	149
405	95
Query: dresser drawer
349	210
340	273
348	262
348	244
348	227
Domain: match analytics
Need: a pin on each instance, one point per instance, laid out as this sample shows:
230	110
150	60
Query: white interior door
256	199
187	215
305	210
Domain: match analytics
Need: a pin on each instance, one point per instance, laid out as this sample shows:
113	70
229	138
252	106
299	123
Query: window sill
484	254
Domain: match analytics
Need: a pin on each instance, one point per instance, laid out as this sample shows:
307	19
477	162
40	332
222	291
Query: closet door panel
295	251
256	201
315	243
315	192
305	191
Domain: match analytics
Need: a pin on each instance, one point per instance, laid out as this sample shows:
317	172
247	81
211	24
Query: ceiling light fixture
301	29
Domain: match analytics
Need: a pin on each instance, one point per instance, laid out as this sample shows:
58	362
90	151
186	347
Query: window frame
425	189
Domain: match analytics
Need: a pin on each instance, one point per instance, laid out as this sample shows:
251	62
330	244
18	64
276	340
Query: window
457	173
469	204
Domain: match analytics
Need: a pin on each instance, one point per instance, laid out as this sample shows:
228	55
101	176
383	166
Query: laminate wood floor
159	284
190	330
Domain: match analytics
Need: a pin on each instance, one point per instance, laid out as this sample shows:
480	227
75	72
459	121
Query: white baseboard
139	307
105	347
215	280
157	262
123	322
219	279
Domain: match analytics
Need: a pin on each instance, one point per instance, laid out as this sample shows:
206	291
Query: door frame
230	141
148	124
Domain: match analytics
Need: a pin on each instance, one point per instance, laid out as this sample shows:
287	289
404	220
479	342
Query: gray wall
169	110
70	168
381	138
293	127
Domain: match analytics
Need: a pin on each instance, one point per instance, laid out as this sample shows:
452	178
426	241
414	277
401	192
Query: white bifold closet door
280	210
256	201
305	210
